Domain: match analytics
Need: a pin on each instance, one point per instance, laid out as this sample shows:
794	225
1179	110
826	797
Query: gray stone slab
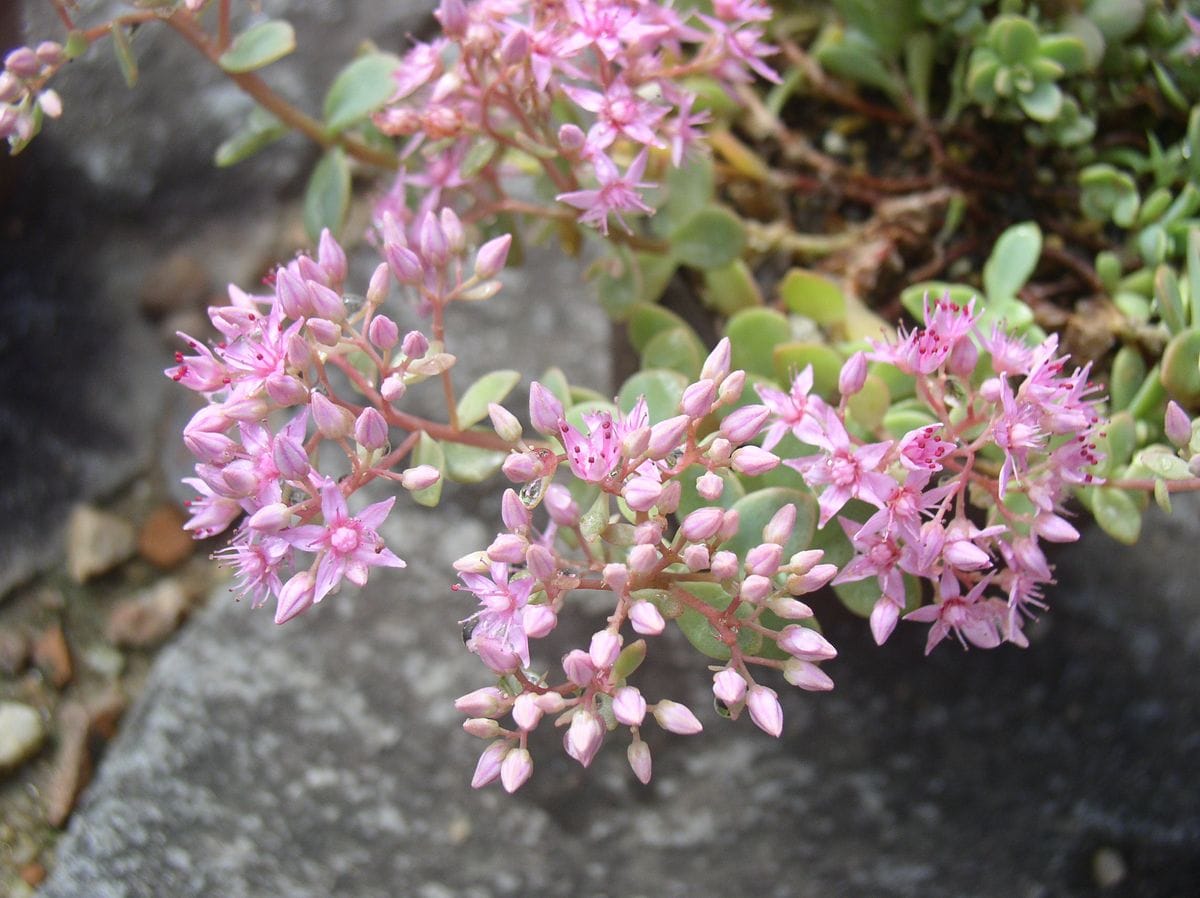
323	758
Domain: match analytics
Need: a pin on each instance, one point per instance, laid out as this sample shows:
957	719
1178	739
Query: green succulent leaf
678	349
259	46
123	50
662	389
712	238
429	452
1012	261
492	387
1117	514
790	358
471	464
260	130
756	509
813	296
360	89
1181	366
327	198
753	335
730	289
646	320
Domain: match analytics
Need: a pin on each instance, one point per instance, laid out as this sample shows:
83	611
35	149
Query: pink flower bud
51	103
646	619
755	589
744	423
649	533
490	259
965	555
696	557
473	563
724	565
884	616
1177	425
516	769
643	558
210	419
270	518
452	227
697	400
538	620
764	559
334	422
668	500
308	270
452	16
10	92
571	139
326	303
719	451
393	388
805	643
638	754
513	512
298	353
562	508
963	358
405	264
731	388
23	63
383	332
518	467
507	548
803	562
331	257
702	524
293	294
752	461
806	675
515	48
295	597
665	436
286	391
379	285
716	366
540	562
415	345
504	422
853	374
730	521
676	718
526	712
765	710
634	443
710	486
50	53
551	703
486	702
210	448
628	706
323	331
419	478
290	458
577	665
779	528
616	577
584	736
729	686
1054	528
814	579
431	239
604	649
641	493
370	430
545	411
488	767
482	728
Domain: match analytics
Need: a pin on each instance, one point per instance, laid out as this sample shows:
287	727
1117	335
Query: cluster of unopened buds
657	563
24	98
309	367
569	84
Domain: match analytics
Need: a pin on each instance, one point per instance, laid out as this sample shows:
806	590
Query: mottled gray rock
324	758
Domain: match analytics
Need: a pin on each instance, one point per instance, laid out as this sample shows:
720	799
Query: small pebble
72	765
104	660
53	657
21	734
97	542
14	651
33	874
149	617
1108	868
162	540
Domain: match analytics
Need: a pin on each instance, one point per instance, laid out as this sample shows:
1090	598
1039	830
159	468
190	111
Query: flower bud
293	294
482	728
779	528
753	461
51	103
504	422
538	620
702	524
812	580
676	718
788	608
371	430
295	597
698	398
324	331
577	665
744	423
393	388
435	248
290	458
806	675
719	451
563	510
641	493
634	443
765	710
415	345
515	769
616	577
668	500
515	48
665	436
286	391
716	366
210	448
755	589
23	63
452	16
490	259
513	512
519	467
764	559
473	563
805	643
486	702
545	411
731	388
551	703
884	616
405	264
379	285
695	557
584	736
526	712
270	518
331	257
730	521
50	53
853	374
452	227
724	565
488	767
628	706
643	558
507	548
540	562
638	754
963	358
729	686
646	619
649	533
298	353
571	139
383	332
1054	528
334	422
1177	425
419	478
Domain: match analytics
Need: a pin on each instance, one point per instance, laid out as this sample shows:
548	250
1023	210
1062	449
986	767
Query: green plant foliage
327	198
492	387
813	296
360	89
753	335
259	46
429	452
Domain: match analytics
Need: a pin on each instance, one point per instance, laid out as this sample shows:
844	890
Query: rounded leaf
360	89
712	238
258	46
492	387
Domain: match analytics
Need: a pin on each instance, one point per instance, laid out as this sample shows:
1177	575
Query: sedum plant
919	472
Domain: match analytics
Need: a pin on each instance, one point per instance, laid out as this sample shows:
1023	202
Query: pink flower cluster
635	544
24	99
304	367
572	83
965	500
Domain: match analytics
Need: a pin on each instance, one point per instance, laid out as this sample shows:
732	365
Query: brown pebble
14	651
179	282
52	656
149	617
72	764
33	874
105	712
162	540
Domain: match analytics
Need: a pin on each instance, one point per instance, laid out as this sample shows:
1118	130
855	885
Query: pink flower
619	112
347	546
794	410
982	622
845	470
616	194
497	629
